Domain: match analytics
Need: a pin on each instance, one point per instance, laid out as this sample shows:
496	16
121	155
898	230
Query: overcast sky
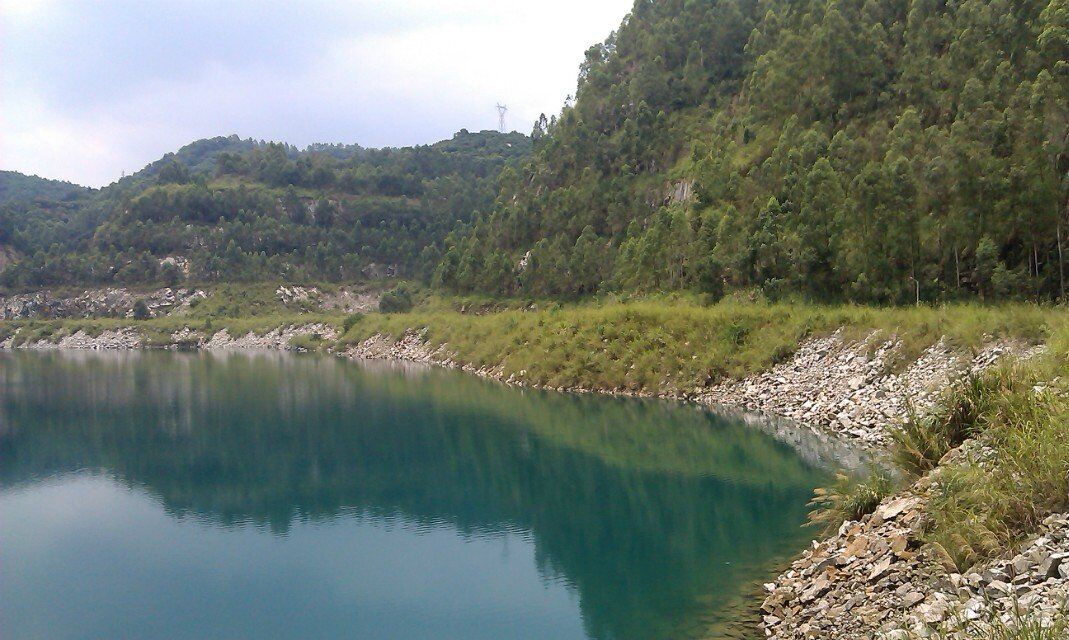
92	88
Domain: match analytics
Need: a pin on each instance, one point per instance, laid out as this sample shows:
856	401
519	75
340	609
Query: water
263	495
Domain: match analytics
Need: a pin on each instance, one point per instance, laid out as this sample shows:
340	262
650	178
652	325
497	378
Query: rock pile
341	299
1033	583
280	338
851	388
856	583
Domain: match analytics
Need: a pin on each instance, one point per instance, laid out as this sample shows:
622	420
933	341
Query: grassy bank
677	344
671	344
987	502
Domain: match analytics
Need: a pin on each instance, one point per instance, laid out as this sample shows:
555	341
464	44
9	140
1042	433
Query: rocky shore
853	388
874	579
282	338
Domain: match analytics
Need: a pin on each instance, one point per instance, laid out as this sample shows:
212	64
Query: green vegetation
396	300
849	499
17	187
982	508
228	210
675	344
922	441
877	150
863	150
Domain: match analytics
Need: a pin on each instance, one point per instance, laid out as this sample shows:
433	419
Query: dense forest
875	150
17	187
242	210
884	151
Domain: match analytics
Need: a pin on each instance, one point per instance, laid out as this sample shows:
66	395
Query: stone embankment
96	303
853	388
848	388
875	579
281	338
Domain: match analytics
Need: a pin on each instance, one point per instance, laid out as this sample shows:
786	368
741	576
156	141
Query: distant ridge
19	187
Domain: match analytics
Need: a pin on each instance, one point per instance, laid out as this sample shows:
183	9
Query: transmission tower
501	111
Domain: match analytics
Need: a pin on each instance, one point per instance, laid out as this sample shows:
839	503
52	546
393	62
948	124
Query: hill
241	210
19	187
874	150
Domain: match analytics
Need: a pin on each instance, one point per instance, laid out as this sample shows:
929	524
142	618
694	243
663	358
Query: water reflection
653	517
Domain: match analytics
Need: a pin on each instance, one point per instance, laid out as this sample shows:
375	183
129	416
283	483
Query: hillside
878	151
242	210
18	187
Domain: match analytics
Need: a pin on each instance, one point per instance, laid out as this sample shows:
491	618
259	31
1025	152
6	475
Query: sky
90	89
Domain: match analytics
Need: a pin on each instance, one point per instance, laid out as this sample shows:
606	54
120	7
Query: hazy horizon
89	92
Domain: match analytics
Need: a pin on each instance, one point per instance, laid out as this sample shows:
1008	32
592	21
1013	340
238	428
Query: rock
880	569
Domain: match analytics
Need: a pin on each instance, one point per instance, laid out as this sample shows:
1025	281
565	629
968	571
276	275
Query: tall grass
961	413
849	499
985	504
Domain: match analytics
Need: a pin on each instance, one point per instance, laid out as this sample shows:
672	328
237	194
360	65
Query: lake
269	495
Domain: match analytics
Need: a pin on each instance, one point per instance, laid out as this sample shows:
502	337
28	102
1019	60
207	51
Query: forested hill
243	210
875	150
18	187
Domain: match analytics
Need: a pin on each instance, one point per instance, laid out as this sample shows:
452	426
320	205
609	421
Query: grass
240	309
981	508
675	344
993	627
984	504
849	499
922	441
669	343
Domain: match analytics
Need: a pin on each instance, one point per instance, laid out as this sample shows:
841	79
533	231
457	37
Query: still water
264	495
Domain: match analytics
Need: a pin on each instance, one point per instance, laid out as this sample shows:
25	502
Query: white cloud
415	82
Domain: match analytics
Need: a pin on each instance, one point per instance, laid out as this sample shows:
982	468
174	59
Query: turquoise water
264	495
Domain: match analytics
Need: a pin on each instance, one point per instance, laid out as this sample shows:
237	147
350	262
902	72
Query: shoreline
837	397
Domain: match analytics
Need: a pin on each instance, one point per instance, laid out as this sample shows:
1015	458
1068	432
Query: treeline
872	150
18	187
266	211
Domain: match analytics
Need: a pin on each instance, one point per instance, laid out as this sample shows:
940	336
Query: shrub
919	445
351	321
849	499
307	342
397	300
141	311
